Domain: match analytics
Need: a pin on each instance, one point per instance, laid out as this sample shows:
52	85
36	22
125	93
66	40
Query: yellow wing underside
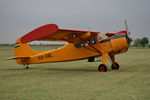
70	36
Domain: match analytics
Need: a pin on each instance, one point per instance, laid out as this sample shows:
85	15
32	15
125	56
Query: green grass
78	80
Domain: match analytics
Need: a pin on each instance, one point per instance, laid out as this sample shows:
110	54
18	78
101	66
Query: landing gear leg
26	66
102	67
115	65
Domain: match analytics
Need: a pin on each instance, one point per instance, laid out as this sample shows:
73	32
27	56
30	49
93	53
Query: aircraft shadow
72	70
55	69
13	69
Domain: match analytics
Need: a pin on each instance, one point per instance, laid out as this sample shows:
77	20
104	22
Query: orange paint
90	44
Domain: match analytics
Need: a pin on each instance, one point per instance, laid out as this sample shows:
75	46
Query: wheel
115	66
27	67
102	68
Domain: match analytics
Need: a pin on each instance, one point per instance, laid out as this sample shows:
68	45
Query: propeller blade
128	33
126	27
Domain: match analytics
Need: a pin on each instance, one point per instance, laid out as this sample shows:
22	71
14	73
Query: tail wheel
102	68
115	66
26	66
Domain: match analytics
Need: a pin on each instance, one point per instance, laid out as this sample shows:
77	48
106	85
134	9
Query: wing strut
89	45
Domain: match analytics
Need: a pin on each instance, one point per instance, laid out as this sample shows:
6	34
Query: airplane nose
119	43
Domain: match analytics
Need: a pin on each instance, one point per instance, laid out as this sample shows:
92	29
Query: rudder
23	50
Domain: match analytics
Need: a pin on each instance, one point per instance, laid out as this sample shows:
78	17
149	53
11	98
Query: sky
18	17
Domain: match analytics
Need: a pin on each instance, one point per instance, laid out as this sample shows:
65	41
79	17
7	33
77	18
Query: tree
144	41
136	43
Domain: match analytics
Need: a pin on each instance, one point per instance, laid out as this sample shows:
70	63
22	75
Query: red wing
40	32
51	32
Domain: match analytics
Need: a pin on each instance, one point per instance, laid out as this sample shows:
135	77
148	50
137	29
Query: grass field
78	80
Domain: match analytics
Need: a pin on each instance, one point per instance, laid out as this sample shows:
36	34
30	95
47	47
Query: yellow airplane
81	45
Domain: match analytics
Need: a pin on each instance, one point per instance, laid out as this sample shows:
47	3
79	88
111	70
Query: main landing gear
115	66
103	68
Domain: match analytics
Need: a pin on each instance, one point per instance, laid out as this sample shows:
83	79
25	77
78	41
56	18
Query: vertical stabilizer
23	50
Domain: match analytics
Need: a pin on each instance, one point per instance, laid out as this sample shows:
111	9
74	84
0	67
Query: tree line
141	42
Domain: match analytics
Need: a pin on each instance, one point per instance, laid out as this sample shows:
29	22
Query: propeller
128	33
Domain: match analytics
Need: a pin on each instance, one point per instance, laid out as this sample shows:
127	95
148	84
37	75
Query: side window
101	36
78	45
89	41
92	41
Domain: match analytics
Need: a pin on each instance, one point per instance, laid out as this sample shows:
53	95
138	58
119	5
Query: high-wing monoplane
80	45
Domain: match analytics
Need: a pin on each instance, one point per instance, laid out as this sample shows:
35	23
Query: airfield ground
78	80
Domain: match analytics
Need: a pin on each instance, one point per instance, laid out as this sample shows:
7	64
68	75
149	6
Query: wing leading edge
51	32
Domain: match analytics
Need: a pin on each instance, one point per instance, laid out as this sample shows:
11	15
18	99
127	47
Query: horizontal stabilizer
12	58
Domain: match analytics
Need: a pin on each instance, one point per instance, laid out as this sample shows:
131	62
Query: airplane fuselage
69	52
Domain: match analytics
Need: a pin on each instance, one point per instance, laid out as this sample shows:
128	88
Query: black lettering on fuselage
45	56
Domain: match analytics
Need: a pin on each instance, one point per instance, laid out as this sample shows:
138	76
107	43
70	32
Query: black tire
27	67
115	67
102	68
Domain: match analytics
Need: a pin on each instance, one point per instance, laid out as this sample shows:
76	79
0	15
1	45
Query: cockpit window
102	35
86	43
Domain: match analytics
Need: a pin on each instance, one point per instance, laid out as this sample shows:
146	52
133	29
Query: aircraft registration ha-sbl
80	45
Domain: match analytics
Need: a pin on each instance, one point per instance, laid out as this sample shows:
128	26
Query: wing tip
39	32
